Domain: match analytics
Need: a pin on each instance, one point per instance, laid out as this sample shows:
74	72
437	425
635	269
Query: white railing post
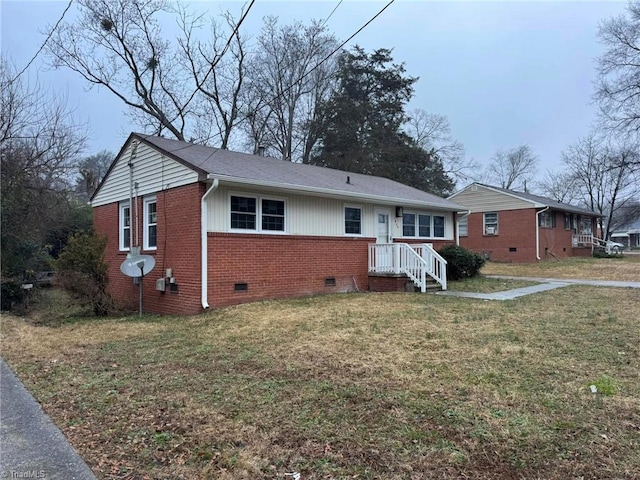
415	261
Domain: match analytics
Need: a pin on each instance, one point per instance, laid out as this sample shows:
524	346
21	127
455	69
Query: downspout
204	249
538	231
458	225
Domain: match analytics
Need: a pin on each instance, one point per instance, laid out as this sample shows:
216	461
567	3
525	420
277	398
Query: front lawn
624	268
366	386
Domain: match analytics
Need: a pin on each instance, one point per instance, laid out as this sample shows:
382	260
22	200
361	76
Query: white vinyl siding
307	214
152	171
486	200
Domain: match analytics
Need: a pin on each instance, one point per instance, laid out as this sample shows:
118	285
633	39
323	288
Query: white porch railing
583	239
414	261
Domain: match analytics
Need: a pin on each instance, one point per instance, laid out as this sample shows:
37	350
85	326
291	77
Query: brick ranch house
509	226
227	228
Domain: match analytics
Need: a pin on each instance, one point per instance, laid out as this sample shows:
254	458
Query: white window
245	212
150	223
463	227
547	219
353	220
422	225
125	226
491	223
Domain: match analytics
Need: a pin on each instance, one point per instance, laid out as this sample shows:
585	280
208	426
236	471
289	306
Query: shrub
83	273
12	294
461	263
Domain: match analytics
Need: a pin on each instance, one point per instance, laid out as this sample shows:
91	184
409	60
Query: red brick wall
178	234
275	266
437	244
517	229
388	283
272	266
556	242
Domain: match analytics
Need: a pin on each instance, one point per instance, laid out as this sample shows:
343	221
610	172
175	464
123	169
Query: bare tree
560	186
118	45
606	175
39	144
218	68
432	133
618	87
512	168
291	75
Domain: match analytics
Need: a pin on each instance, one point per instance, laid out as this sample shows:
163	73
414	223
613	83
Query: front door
384	255
383	230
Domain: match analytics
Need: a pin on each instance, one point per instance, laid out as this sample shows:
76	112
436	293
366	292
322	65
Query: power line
43	43
317	65
294	83
224	50
331	14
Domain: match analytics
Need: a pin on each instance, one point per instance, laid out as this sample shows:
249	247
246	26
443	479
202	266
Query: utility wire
293	84
43	43
224	50
331	14
338	48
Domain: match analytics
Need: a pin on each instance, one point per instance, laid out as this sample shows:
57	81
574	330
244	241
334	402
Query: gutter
204	251
538	231
458	225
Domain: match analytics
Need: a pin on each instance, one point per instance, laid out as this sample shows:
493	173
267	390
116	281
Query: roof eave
327	192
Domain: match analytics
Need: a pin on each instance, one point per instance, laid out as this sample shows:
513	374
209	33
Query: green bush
461	263
12	294
83	272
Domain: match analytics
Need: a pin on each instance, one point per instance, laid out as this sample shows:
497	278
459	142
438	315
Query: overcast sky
504	73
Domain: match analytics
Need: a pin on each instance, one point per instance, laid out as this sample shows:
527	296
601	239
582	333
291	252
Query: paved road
31	446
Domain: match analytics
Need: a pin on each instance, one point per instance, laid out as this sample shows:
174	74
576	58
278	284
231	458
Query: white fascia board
326	192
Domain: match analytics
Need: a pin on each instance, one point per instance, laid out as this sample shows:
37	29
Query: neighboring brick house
227	228
628	235
625	225
508	226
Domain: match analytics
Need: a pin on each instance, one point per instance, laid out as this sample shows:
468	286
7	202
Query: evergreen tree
361	130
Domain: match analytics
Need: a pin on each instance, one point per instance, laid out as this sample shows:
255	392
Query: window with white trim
150	236
272	215
547	219
125	226
245	212
463	227
491	223
353	220
423	225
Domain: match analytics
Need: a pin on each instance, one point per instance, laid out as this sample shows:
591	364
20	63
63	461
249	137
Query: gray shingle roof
242	167
544	201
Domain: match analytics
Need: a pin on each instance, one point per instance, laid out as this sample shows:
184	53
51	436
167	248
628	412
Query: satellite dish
138	265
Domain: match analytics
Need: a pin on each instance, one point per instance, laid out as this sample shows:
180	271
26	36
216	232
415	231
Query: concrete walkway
574	281
31	445
545	284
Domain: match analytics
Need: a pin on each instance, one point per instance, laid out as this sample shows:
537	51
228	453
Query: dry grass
367	386
481	284
625	268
